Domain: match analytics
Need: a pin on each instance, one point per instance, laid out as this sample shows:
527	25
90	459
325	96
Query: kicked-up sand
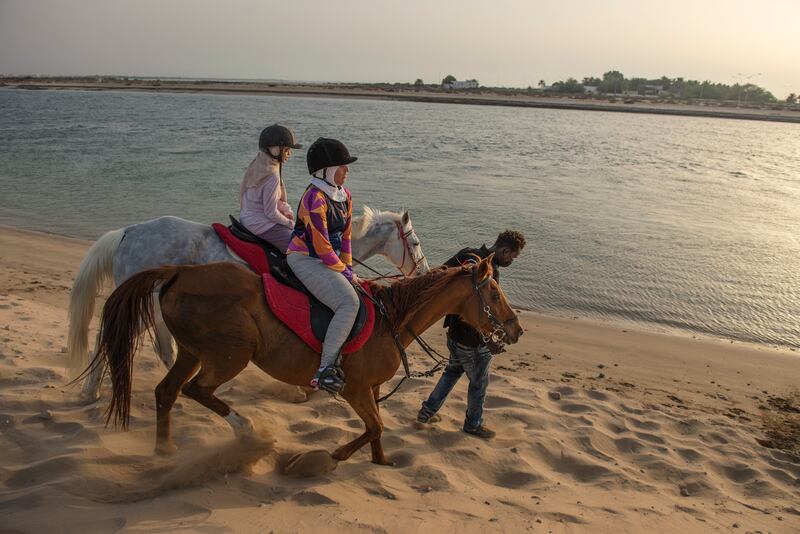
600	428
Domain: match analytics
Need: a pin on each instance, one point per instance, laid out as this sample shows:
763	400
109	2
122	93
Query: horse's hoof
247	431
387	463
299	397
166	449
85	399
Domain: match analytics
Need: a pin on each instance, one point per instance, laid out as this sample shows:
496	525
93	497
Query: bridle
404	235
498	333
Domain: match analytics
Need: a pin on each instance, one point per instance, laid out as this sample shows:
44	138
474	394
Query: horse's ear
406	218
485	267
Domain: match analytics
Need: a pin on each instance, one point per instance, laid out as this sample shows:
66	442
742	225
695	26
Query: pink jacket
264	205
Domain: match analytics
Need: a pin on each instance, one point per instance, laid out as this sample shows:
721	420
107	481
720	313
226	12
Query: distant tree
570	86
590	80
754	93
613	82
791	99
418	82
542	84
634	84
448	79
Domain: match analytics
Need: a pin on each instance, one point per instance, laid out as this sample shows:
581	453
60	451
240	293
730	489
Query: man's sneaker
421	418
481	432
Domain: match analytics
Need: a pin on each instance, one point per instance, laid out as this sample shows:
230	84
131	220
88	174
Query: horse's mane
372	217
408	295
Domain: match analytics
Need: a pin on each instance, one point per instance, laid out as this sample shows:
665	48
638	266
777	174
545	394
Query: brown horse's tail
128	312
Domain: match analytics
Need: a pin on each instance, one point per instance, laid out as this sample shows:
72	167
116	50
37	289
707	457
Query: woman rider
264	210
320	254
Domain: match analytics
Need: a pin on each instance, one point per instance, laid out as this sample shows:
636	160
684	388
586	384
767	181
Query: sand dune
601	428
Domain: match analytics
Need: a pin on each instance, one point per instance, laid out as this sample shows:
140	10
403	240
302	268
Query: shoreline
422	96
616	323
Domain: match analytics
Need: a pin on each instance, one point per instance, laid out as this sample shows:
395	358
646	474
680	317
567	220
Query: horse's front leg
378	456
363	402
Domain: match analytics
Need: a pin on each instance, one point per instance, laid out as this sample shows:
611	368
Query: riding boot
330	378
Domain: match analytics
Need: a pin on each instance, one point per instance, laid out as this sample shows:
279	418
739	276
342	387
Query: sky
512	43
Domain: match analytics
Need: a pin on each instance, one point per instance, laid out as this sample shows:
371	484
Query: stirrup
331	379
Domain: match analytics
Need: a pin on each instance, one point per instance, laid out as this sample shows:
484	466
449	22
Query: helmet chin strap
277	158
325	176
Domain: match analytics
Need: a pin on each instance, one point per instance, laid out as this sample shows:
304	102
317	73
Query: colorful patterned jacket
322	230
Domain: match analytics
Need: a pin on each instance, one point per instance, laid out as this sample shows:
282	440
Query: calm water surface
685	222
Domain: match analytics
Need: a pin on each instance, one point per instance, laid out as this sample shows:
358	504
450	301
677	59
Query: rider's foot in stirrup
331	379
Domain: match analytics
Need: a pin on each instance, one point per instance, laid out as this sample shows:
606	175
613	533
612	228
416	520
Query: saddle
286	295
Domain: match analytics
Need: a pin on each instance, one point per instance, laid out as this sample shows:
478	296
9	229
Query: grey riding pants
334	291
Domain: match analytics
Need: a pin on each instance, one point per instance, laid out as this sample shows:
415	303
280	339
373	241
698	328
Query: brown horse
220	320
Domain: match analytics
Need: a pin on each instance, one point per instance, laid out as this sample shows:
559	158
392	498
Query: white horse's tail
96	268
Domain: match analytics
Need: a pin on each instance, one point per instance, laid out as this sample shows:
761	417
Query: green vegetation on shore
614	82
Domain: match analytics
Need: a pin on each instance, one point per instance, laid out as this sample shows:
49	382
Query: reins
380	275
440	360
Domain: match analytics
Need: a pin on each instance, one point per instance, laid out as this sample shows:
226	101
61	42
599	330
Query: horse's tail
127	314
96	268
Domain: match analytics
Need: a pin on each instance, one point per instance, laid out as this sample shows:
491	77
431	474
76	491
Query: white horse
119	254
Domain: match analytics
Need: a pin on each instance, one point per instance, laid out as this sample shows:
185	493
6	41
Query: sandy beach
617	104
601	428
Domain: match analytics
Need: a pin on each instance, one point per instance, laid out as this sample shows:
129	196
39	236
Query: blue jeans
475	363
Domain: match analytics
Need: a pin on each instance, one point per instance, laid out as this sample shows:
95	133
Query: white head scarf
323	180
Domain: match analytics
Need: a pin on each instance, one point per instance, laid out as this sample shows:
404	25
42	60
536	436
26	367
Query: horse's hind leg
162	341
91	385
166	393
201	388
363	402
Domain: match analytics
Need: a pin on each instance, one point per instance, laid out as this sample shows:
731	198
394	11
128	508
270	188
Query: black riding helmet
326	152
277	135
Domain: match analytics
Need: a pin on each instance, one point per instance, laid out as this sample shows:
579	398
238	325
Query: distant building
462	84
590	89
653	90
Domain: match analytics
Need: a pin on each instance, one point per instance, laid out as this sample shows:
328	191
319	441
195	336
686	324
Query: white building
590	89
462	84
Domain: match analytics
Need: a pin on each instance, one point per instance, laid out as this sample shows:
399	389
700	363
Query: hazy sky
499	42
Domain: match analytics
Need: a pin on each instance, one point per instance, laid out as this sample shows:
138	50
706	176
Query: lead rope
439	359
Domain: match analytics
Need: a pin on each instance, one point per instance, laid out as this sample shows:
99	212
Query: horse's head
404	250
487	309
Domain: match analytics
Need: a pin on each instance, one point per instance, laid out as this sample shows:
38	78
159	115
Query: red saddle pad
292	307
252	253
